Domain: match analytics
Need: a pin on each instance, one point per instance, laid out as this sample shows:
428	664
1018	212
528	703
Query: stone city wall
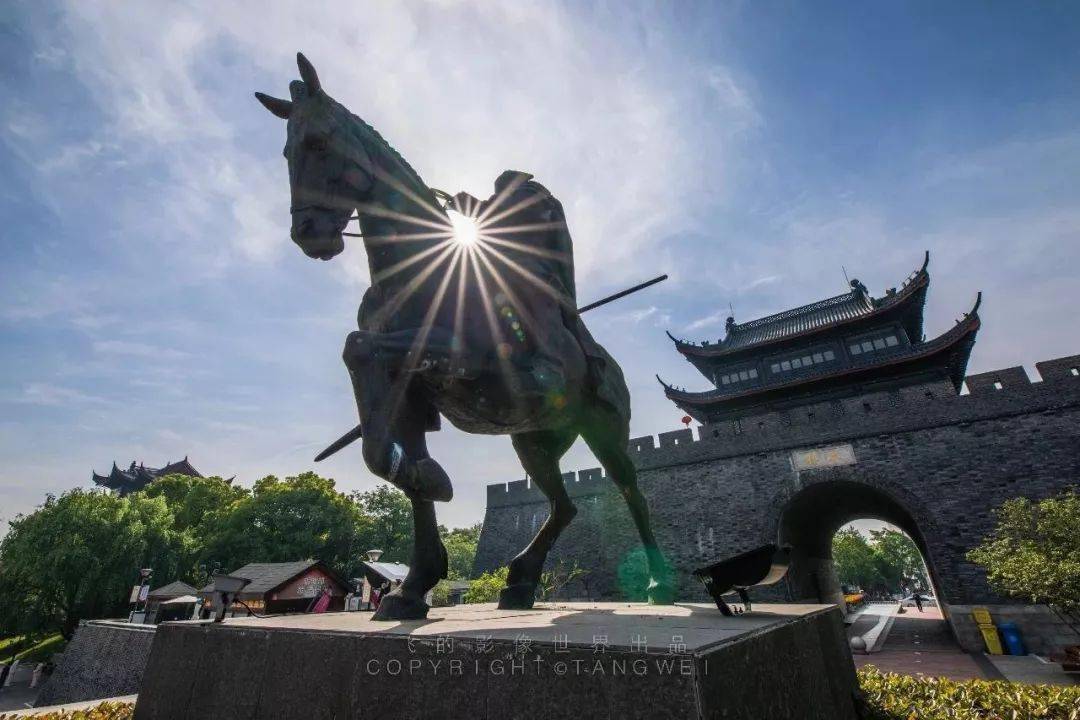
106	658
945	460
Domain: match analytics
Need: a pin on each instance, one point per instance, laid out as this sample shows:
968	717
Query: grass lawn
31	649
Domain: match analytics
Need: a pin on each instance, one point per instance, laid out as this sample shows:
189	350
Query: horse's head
330	171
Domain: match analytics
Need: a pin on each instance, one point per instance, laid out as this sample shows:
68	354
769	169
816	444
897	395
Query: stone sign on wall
823	457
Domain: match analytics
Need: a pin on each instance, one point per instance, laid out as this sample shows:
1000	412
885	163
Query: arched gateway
811	517
869	423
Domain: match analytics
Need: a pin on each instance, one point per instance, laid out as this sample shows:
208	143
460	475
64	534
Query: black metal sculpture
479	326
762	566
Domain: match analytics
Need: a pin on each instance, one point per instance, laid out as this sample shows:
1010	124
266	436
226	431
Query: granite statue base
579	660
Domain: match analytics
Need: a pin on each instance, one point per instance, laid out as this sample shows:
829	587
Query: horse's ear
279	107
308	75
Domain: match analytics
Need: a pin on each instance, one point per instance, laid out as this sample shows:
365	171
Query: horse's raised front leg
394	419
390	407
539	453
607	435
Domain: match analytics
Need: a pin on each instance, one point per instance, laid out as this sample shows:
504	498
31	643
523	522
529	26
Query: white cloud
709	320
759	282
41	393
463	90
140	350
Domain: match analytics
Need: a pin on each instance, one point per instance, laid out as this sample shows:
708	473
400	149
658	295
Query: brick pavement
921	644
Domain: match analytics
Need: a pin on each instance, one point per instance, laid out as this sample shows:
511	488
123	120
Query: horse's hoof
397	606
517	597
660	593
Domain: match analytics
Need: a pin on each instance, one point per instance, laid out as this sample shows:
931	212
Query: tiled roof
797	321
136	477
800	319
173	589
265	577
965	326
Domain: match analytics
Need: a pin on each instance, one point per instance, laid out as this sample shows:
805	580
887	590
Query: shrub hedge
905	697
889	697
104	711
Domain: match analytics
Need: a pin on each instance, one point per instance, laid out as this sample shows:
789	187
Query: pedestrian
918	601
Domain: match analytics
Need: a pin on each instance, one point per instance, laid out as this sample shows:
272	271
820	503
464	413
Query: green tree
199	507
461	550
1034	552
898	558
292	519
486	587
391	522
854	559
77	557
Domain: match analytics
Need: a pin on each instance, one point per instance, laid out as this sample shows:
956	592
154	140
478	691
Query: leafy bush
486	588
104	711
889	697
904	697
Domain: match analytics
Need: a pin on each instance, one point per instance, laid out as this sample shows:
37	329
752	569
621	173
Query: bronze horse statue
483	330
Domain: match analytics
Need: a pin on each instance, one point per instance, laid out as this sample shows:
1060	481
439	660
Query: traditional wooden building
174	601
287	587
839	347
136	477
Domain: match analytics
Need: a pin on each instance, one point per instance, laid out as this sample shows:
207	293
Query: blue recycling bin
1010	636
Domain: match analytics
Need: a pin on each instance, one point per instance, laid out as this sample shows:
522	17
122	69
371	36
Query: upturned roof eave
911	297
965	328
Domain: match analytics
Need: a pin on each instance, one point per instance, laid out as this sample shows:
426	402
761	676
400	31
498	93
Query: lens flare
466	230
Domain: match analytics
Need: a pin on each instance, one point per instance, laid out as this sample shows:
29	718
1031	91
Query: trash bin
1010	634
991	639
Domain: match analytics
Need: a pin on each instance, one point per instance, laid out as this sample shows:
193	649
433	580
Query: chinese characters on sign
823	457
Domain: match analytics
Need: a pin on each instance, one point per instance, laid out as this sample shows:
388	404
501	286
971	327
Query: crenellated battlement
993	394
523	492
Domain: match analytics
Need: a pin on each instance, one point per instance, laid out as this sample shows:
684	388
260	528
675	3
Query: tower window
803	361
737	377
873	344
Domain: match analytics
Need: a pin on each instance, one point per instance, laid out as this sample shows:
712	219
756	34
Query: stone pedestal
579	660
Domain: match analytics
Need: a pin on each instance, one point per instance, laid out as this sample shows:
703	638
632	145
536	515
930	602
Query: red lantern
687	420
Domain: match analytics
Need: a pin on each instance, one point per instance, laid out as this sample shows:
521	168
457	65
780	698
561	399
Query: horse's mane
370	137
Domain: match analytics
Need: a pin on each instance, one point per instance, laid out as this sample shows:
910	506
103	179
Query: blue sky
152	305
